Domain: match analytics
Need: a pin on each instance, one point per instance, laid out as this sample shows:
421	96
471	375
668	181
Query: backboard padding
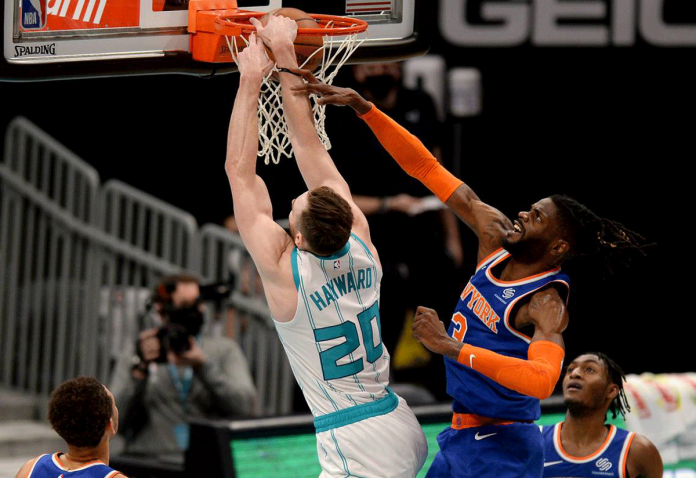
53	39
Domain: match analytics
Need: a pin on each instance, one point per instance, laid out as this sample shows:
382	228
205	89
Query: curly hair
616	376
79	411
590	236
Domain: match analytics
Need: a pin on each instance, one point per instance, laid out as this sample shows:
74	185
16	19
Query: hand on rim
329	94
277	32
253	61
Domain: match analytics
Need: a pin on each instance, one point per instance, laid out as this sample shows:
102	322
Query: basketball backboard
53	39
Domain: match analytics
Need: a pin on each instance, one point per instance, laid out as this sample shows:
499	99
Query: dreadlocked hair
617	377
596	237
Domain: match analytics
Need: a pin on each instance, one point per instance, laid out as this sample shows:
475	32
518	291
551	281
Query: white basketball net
274	141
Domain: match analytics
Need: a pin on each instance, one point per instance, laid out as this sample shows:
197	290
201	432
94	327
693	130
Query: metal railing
52	169
223	254
77	262
52	269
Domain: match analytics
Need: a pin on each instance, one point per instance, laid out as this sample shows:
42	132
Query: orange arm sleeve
411	155
535	377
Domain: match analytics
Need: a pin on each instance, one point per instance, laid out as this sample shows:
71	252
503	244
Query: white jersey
334	341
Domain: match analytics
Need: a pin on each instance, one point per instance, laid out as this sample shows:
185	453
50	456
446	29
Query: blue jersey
609	461
484	318
50	466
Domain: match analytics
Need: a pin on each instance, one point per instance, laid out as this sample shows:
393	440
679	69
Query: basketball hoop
339	41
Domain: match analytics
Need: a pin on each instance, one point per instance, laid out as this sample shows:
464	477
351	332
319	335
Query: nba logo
337	264
33	14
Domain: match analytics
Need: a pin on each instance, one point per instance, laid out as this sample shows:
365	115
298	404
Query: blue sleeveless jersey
607	462
50	466
484	318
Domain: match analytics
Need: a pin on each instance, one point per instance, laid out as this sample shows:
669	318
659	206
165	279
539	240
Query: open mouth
574	386
517	227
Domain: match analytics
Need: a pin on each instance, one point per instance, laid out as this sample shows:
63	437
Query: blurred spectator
418	240
236	322
172	374
243	267
83	412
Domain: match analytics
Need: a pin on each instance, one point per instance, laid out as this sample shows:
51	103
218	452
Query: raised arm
489	224
266	241
315	163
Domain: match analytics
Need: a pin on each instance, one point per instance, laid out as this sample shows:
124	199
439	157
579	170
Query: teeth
517	227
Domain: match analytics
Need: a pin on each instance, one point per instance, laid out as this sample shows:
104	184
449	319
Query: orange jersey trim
573	459
509	310
33	465
519	281
59	463
460	421
488	257
511	307
625	451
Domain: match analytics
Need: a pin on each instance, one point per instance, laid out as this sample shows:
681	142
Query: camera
186	322
183	323
217	291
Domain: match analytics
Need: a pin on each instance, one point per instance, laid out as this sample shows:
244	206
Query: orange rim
238	24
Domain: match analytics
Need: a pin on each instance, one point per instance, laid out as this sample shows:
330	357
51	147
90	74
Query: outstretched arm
315	163
489	224
536	376
265	240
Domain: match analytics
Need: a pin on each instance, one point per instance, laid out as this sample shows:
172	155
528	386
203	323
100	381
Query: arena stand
78	259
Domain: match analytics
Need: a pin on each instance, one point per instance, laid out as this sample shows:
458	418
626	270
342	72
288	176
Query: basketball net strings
274	141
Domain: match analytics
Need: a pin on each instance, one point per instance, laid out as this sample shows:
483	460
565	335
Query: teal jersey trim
295	269
362	244
337	255
355	414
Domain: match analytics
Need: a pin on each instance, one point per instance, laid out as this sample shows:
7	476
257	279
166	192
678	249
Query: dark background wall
603	124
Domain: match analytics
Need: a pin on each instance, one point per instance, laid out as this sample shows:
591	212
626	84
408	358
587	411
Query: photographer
172	374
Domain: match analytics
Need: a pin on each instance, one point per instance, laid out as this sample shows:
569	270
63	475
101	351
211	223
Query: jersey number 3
459	323
330	357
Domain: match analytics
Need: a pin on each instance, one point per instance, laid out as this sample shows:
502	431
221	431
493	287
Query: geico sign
550	23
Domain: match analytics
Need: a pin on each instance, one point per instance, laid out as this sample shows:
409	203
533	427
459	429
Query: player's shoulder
549	292
644	458
276	267
111	473
360	238
28	466
642	446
